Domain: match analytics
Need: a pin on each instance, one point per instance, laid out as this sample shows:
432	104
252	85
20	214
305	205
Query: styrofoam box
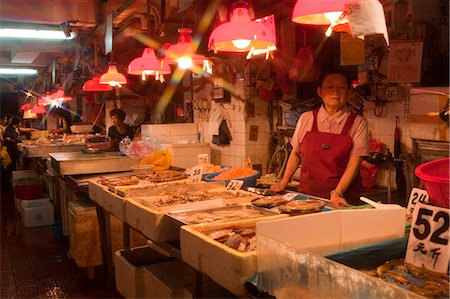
334	231
23	175
168	280
226	266
152	130
186	155
129	267
37	212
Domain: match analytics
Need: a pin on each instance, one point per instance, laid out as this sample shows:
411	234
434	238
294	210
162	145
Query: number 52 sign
428	244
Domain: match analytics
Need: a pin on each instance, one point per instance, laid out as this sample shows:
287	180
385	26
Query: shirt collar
338	117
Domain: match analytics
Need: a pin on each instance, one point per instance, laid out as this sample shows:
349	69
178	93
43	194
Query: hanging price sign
195	176
290	195
417	195
428	244
234	186
202	158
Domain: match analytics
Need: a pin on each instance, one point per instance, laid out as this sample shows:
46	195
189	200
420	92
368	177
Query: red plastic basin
435	176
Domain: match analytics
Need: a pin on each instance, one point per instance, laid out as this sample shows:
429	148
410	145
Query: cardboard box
168	280
84	237
37	213
130	266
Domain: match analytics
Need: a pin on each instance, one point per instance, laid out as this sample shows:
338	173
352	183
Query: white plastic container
171	133
186	155
38	212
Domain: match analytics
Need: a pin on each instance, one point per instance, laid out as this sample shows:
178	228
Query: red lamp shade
58	97
240	34
25	106
318	12
183	52
148	64
38	109
94	85
113	77
44	100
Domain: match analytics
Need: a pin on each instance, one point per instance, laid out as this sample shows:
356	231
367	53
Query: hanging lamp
58	97
240	34
148	65
94	85
38	109
320	12
183	53
112	77
25	106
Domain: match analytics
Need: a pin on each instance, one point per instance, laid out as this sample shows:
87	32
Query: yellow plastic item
162	159
6	159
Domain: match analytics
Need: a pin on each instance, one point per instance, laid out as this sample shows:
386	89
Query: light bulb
241	43
333	16
184	62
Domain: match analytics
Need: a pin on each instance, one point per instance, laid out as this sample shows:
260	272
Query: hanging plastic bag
304	68
138	148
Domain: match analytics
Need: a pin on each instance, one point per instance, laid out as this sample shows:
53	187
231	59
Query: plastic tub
249	181
436	179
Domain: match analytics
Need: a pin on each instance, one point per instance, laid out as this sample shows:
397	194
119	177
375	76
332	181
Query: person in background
4	121
11	138
119	129
330	142
64	120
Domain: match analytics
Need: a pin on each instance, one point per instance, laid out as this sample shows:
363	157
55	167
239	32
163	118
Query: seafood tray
181	186
150	219
112	202
385	261
231	213
226	266
314	276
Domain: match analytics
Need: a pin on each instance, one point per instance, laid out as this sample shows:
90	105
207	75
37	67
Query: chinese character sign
405	61
428	244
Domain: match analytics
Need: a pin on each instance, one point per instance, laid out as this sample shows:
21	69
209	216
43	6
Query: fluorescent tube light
34	34
18	71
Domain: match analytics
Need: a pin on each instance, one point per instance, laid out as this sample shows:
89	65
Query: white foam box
171	133
186	155
168	280
151	220
23	175
334	231
226	266
129	267
37	212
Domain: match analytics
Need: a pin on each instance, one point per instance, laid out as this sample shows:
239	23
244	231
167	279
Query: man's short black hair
119	112
15	120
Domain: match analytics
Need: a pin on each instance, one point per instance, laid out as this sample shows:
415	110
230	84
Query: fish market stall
36	149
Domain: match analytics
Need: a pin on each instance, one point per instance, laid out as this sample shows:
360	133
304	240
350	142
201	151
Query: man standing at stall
330	142
119	129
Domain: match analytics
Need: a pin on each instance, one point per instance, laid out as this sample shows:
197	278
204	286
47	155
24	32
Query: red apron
324	157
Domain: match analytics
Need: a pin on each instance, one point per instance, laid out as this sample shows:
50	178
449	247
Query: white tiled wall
239	124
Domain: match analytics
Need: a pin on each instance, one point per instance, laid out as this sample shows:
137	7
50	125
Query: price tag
195	176
290	195
429	237
202	159
234	186
417	195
